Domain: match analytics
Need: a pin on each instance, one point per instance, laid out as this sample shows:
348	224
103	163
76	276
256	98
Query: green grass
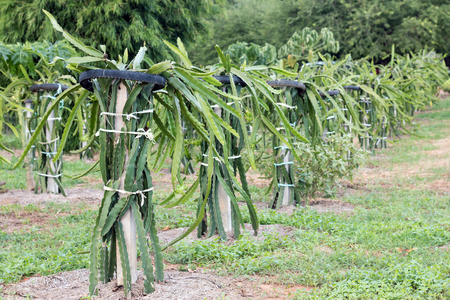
387	248
43	250
11	141
16	178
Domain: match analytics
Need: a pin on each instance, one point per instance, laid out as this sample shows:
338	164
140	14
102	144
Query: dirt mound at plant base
178	285
75	285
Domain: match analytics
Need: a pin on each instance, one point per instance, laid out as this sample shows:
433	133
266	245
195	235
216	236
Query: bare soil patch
445	248
162	180
256	179
24	221
9	155
389	175
321	205
166	236
333	206
261	205
24	197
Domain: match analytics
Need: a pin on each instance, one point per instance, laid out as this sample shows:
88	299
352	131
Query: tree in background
114	23
363	28
23	61
305	44
251	21
370	28
252	53
302	46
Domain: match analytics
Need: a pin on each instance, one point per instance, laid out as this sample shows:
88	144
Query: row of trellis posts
124	139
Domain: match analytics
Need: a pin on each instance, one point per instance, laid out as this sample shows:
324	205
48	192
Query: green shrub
446	86
322	165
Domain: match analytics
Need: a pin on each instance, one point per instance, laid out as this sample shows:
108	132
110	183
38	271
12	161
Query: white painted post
127	221
395	116
84	142
349	131
225	209
29	160
52	187
28	103
224	199
286	189
367	140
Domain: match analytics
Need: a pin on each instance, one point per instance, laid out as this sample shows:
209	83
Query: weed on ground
386	237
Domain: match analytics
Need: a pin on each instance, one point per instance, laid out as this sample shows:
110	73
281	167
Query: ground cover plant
392	245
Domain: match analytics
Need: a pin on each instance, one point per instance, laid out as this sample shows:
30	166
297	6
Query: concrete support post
127	221
52	186
224	199
27	134
287	190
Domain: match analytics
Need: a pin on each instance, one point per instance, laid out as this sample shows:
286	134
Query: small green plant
399	281
320	166
446	86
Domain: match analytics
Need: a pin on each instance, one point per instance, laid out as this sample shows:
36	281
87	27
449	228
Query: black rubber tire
287	83
330	93
85	77
352	87
226	80
48	87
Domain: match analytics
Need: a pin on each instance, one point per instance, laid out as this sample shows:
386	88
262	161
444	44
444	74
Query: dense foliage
116	24
320	167
303	45
364	28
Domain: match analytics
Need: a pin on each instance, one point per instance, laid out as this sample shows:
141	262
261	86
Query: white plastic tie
139	133
285	185
282	147
49	142
148	134
284	163
49	175
128	116
285	105
230	157
49	154
139	193
48	96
